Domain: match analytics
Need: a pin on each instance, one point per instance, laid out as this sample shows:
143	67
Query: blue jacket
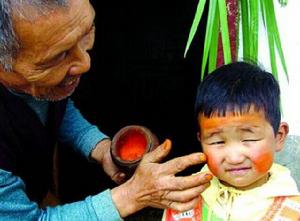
28	131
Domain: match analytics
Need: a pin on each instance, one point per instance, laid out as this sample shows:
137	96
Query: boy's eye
250	140
216	143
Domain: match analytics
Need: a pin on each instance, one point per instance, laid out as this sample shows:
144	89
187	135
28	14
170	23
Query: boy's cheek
212	163
263	161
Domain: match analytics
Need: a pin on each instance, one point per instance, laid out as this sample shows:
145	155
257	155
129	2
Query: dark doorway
138	76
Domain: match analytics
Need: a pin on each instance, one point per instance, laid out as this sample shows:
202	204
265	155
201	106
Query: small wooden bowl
129	146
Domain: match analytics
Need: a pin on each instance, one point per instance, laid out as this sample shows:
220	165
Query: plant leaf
269	26
245	28
283	2
254	25
196	21
276	36
213	52
224	31
208	34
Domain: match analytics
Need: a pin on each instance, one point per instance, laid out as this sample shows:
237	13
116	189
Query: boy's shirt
278	199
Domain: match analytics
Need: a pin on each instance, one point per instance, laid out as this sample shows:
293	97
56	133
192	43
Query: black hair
235	88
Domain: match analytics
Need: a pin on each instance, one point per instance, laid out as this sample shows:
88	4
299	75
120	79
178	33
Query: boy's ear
198	137
283	131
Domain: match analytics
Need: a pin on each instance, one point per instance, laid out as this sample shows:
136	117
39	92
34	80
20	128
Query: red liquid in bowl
131	146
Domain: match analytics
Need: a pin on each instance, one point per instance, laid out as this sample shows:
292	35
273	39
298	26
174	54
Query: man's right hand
155	184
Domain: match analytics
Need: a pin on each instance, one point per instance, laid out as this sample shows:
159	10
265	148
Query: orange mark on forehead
218	121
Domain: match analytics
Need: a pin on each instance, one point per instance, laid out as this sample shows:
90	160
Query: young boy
238	114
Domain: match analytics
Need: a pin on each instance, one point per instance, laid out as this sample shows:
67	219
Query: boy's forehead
232	110
252	117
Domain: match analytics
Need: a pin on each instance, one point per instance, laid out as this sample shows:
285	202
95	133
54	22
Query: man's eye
55	60
60	57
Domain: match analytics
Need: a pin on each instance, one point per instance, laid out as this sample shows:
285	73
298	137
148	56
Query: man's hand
101	154
156	185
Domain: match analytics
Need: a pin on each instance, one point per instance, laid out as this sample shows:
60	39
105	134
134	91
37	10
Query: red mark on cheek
263	161
212	165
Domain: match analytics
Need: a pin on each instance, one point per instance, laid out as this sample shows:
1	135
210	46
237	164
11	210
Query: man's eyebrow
53	56
65	47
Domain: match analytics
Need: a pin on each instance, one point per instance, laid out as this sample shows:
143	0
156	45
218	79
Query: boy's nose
234	155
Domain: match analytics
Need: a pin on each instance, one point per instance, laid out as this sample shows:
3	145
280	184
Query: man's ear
283	131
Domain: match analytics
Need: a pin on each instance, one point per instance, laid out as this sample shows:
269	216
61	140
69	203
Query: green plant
249	12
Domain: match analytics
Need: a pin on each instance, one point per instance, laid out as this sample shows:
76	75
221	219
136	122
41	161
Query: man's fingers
186	195
159	153
182	207
180	163
187	182
119	177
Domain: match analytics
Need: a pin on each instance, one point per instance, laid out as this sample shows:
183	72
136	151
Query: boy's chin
246	184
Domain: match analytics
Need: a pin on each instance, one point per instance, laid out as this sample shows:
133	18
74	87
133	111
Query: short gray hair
9	44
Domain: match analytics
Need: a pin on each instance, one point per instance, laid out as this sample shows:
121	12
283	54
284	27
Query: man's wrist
124	199
100	149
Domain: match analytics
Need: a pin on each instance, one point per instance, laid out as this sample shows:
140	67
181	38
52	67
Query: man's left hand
101	154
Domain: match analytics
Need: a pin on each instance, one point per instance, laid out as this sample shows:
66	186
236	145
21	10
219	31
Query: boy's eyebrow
211	134
249	129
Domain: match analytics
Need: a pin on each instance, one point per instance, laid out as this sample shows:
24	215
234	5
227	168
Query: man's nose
82	61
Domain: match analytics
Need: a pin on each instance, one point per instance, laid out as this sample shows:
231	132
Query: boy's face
240	148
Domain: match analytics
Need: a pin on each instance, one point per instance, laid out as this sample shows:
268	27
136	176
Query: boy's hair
235	88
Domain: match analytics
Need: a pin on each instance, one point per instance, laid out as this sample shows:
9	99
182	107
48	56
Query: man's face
239	148
53	52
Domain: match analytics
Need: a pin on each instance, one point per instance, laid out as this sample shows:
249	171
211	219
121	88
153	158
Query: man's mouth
69	81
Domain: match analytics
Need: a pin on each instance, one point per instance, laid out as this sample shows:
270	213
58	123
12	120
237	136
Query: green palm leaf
196	21
213	52
274	29
208	34
243	5
249	13
224	31
254	26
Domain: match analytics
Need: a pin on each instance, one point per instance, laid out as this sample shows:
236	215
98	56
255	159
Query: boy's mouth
239	171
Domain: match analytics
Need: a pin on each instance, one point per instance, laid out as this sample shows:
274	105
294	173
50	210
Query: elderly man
43	53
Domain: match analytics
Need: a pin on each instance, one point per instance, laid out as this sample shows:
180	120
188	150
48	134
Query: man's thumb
158	153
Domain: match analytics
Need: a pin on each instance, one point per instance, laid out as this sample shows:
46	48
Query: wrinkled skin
102	155
53	51
156	185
